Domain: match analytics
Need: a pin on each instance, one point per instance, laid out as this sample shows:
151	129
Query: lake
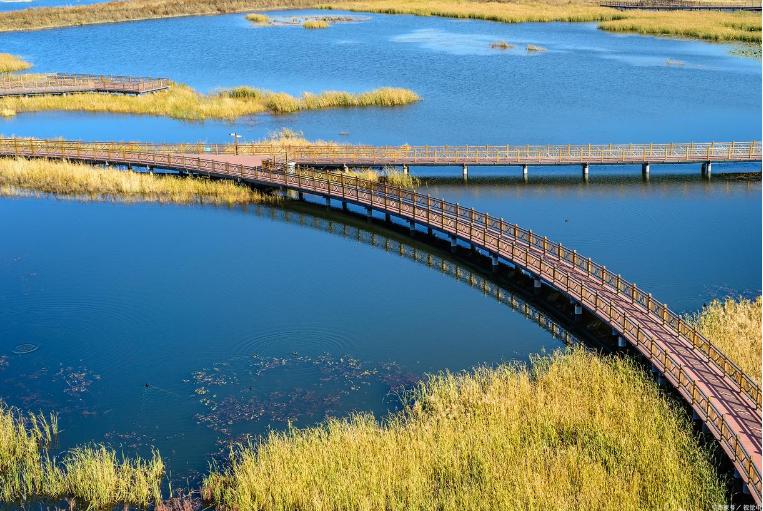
187	327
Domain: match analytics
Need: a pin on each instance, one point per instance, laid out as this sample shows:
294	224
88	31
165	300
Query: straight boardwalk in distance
720	394
56	84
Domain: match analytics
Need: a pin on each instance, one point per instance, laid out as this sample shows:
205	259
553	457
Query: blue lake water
185	327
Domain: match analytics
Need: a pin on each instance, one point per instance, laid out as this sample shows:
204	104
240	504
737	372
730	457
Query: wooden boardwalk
56	84
722	396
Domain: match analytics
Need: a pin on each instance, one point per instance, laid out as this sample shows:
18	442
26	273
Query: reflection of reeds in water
20	176
590	432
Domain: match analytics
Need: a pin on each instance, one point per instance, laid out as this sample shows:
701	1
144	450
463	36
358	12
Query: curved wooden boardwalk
52	84
722	396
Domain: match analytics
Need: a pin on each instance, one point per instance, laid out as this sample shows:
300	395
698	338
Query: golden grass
574	432
312	24
707	25
734	326
131	10
501	45
90	475
20	177
182	102
258	19
10	63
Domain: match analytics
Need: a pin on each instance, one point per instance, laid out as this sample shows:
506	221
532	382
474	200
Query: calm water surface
187	327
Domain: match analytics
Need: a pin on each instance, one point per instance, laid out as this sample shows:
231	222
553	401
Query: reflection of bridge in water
722	396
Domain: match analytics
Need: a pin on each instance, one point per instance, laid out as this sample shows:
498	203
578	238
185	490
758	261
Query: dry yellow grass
258	19
131	10
734	326
10	63
21	176
575	432
182	102
93	475
312	24
708	25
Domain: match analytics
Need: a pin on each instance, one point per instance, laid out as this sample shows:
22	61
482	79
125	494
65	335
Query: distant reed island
573	430
309	22
738	26
183	102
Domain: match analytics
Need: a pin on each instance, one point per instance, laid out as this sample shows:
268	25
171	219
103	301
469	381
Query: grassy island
10	63
24	177
182	102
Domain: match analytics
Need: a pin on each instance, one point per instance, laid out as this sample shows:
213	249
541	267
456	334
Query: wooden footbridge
725	399
57	84
346	156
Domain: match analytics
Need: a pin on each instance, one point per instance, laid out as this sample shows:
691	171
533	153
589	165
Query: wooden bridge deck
321	155
722	396
52	84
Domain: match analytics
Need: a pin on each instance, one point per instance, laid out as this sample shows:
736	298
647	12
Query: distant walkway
721	395
667	5
56	84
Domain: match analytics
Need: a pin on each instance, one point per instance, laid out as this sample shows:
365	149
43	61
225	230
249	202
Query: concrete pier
620	342
524	172
453	243
537	284
578	309
344	205
387	217
585	168
494	261
645	171
707	169
369	212
412	226
405	170
465	171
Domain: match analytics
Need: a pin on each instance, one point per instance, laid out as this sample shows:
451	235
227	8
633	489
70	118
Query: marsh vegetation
10	63
182	102
572	431
24	177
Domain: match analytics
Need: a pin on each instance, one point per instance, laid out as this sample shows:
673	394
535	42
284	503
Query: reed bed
313	24
10	63
734	326
93	475
22	177
182	102
574	431
121	11
258	19
707	25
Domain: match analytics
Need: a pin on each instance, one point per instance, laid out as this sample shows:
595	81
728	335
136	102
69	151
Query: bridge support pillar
707	169
578	309
494	262
150	170
405	170
537	285
369	212
524	172
129	167
645	171
387	217
412	226
465	171
300	196
328	202
585	168
345	168
430	232
620	342
453	243
344	205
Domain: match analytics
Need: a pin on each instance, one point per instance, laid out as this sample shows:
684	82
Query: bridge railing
333	154
549	154
569	271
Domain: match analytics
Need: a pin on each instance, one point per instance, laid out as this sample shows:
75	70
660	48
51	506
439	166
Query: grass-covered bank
574	431
92	475
707	25
117	11
10	63
24	177
182	102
